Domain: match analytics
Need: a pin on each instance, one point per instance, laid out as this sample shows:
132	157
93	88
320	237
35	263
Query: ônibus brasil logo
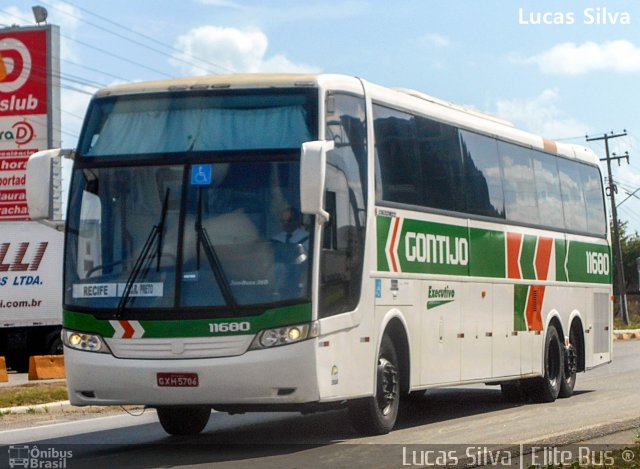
32	456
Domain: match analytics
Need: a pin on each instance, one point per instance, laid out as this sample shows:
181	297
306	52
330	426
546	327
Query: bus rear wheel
376	415
570	367
547	387
189	420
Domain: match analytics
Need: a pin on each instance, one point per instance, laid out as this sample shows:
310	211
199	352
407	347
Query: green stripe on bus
435	304
438	248
520	293
382	228
561	252
433	248
167	328
527	257
487	256
86	323
588	262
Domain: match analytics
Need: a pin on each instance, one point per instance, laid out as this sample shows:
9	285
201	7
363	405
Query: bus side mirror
44	184
313	166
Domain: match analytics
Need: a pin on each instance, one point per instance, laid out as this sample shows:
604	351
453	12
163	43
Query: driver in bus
292	230
291	254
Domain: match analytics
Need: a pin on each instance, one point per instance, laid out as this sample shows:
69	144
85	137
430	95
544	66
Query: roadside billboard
29	108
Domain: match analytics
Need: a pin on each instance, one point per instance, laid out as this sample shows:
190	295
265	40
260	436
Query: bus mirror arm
313	164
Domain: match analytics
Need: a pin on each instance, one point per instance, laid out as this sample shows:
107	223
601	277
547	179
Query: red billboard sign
23	72
26	78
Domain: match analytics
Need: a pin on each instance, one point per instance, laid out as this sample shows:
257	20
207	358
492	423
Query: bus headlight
84	341
284	335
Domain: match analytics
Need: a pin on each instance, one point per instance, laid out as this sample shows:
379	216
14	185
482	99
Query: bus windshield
140	125
233	242
212	227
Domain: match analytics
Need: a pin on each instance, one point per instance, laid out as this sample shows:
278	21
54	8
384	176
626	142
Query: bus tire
376	415
570	368
547	387
183	420
55	347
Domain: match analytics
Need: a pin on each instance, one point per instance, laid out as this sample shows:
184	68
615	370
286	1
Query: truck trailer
31	256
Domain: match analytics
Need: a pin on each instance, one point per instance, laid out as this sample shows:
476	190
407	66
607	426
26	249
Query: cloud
571	59
230	50
435	40
541	115
67	16
13	15
62	14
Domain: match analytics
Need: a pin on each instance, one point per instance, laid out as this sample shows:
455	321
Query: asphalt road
605	402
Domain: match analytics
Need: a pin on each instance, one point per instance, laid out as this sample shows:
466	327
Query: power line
117	77
72	114
119	57
148	38
579	137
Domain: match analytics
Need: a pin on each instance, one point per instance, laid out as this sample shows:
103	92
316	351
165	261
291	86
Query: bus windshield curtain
217	129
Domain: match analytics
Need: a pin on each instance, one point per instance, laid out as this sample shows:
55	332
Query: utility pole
614	215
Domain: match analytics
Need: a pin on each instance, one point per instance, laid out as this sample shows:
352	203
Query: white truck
31	258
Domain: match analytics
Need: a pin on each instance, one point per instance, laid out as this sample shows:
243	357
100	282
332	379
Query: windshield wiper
212	257
143	261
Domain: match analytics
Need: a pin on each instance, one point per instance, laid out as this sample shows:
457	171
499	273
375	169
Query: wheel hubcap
387	385
570	361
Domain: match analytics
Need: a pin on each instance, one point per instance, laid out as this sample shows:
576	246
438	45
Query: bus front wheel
376	415
188	420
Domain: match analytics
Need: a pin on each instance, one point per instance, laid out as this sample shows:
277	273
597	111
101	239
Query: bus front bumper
279	375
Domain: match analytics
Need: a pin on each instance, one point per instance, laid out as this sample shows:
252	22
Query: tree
630	245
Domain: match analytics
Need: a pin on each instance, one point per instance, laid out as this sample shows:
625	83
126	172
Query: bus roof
410	100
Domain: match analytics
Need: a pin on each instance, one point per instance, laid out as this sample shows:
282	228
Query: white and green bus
308	242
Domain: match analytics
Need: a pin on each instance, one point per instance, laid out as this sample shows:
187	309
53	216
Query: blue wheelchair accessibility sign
201	174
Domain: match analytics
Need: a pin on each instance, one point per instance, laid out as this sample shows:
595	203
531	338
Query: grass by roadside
618	324
32	394
627	458
634	319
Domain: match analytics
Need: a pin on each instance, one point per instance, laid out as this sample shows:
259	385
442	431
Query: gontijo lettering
436	249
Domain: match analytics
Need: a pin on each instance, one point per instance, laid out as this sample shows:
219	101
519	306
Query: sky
562	69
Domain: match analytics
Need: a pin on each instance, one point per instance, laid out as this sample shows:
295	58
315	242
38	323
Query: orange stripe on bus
534	307
550	146
394	265
514	241
543	257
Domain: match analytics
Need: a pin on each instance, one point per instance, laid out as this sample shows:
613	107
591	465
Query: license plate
177	380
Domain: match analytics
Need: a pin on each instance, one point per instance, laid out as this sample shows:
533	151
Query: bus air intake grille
180	348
